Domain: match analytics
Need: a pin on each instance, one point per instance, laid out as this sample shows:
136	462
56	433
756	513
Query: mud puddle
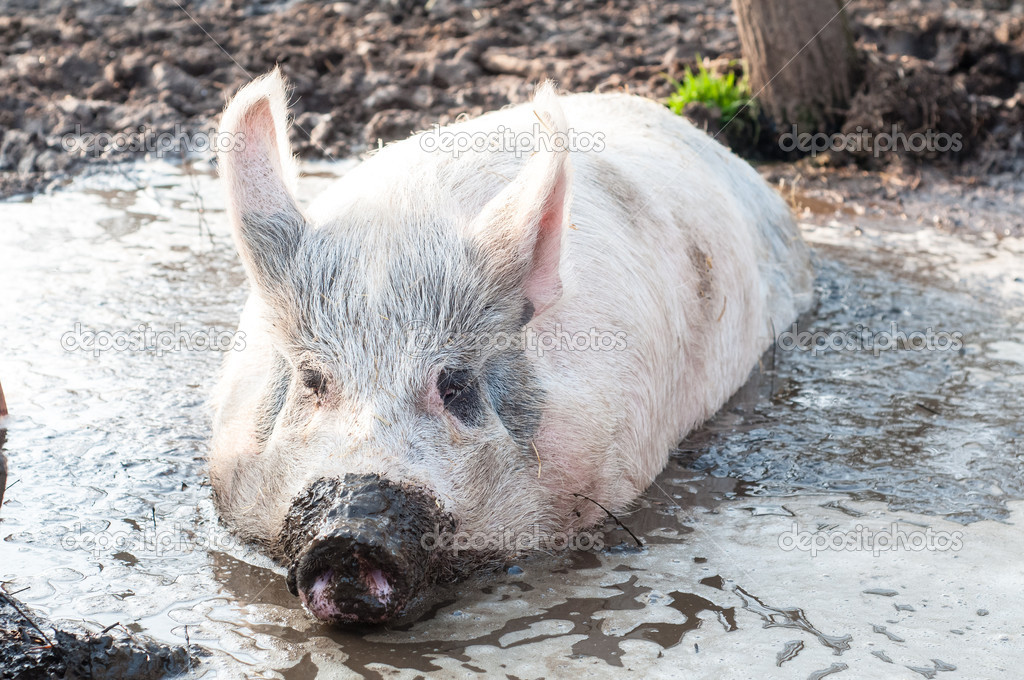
763	552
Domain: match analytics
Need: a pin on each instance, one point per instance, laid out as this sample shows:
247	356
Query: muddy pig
478	331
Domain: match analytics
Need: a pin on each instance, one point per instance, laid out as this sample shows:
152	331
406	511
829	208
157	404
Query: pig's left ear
257	166
521	228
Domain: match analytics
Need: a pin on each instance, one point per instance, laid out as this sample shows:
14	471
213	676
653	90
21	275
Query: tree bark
801	61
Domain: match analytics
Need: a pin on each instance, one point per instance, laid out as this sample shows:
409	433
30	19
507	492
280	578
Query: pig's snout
349	576
357	550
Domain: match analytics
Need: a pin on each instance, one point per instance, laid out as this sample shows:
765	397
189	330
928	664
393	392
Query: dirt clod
31	648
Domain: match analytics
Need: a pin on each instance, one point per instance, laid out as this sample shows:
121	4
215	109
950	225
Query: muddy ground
371	71
109	519
31	649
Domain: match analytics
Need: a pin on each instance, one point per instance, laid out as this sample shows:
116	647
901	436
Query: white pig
472	342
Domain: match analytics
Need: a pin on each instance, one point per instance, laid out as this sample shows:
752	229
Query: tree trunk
801	61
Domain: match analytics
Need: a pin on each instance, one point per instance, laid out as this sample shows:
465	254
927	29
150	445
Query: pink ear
258	168
542	285
522	226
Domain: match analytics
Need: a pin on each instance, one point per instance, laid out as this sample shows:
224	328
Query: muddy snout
356	549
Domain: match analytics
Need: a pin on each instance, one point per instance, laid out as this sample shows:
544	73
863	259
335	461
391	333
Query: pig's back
658	163
685	246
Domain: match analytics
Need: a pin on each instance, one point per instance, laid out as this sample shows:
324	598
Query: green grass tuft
725	93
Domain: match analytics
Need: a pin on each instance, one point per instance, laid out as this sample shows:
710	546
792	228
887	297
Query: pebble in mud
884	592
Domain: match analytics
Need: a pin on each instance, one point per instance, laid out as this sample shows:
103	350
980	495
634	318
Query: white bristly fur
663	235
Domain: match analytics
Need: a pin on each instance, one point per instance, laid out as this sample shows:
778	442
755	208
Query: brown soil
368	71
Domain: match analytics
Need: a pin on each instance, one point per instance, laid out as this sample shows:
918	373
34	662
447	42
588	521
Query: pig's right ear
257	166
521	229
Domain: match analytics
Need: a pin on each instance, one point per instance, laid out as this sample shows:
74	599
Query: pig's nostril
322	581
376	581
318	597
343	581
379	585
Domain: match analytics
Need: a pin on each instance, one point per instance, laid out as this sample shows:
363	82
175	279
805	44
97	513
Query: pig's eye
460	395
314	381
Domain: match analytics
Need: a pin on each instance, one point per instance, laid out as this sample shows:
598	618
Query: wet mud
29	651
108	518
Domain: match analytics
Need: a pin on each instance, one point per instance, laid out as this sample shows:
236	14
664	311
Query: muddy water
108	517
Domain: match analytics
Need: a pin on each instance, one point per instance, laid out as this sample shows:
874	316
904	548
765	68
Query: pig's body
668	251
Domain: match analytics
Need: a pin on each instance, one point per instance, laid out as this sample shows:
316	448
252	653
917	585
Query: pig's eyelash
460	395
314	380
451	383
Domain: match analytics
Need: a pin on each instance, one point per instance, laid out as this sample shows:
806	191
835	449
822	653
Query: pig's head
372	408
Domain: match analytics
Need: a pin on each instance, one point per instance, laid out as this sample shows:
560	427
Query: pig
494	343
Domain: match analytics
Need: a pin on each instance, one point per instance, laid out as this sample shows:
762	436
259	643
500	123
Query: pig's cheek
434	406
248	446
252	446
432	402
561	473
314	425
